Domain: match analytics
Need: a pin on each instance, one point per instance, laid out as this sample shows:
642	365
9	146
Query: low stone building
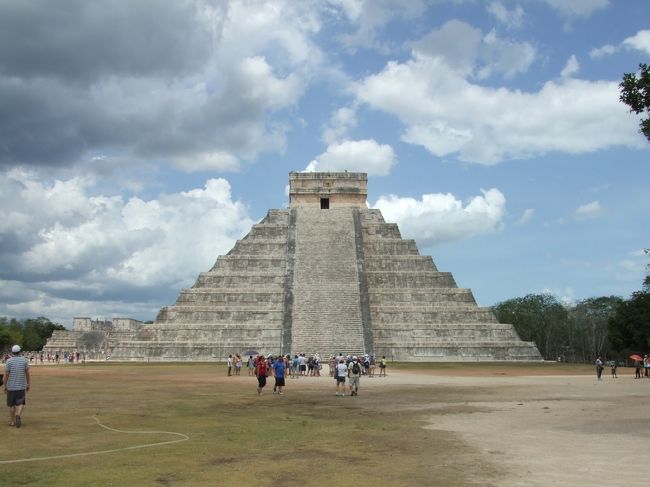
93	338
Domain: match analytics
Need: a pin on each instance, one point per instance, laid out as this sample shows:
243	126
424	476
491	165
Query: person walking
599	367
341	370
260	373
251	366
354	374
16	382
279	368
229	364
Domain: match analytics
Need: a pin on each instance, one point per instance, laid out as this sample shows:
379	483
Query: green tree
635	93
589	326
540	318
629	328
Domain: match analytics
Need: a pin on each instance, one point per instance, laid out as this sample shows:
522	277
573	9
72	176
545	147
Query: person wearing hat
16	385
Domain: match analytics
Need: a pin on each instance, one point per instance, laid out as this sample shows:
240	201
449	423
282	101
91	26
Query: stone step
230	297
399	263
238	279
252	247
375	230
409	279
418	296
238	263
431	316
374	248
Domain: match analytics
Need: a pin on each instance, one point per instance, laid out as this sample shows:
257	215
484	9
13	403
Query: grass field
307	437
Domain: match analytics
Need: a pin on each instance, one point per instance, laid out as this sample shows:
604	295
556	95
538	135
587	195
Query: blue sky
139	140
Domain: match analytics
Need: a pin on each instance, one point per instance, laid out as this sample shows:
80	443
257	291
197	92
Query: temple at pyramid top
328	189
327	275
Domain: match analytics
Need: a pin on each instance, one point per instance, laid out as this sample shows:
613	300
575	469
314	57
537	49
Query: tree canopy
635	93
30	333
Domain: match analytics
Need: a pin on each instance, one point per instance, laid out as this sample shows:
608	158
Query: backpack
355	368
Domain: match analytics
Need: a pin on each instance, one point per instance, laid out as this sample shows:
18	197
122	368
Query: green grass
308	437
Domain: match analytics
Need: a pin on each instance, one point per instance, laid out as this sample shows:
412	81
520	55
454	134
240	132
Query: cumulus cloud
571	67
341	121
438	218
195	85
513	19
445	112
470	53
577	8
526	216
72	245
355	155
638	42
369	16
588	210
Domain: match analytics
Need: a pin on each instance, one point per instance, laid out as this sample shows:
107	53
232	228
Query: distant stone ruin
95	339
326	275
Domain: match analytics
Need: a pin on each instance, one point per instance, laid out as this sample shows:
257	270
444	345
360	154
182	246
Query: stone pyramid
327	275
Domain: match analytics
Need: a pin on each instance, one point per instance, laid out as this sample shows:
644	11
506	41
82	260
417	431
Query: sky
140	139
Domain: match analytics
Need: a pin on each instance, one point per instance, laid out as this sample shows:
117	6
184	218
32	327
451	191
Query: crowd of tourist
342	368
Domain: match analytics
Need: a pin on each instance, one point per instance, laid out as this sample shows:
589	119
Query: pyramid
326	275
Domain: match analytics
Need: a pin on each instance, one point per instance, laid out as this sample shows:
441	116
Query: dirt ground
544	430
501	426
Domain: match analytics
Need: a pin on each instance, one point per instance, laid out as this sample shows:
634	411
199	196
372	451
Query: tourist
366	364
354	374
372	366
251	366
599	367
341	370
260	373
279	368
295	366
317	365
229	364
238	364
16	382
382	366
646	366
303	364
637	369
613	365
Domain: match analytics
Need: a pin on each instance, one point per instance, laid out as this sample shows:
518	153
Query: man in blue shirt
16	384
278	370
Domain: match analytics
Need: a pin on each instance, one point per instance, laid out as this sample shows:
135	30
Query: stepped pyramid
326	275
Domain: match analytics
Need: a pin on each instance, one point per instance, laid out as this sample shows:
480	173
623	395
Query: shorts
16	398
303	368
340	380
354	381
279	382
261	380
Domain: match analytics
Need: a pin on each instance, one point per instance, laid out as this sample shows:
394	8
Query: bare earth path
545	430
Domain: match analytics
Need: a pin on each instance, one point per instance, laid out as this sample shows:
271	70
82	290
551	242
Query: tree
537	317
629	329
635	93
589	326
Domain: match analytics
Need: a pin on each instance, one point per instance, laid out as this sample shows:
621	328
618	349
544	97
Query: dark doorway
324	203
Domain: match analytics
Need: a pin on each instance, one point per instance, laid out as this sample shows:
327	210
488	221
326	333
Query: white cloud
640	41
512	19
370	16
606	50
70	243
447	114
340	123
588	210
526	216
577	8
571	68
439	218
470	53
356	155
